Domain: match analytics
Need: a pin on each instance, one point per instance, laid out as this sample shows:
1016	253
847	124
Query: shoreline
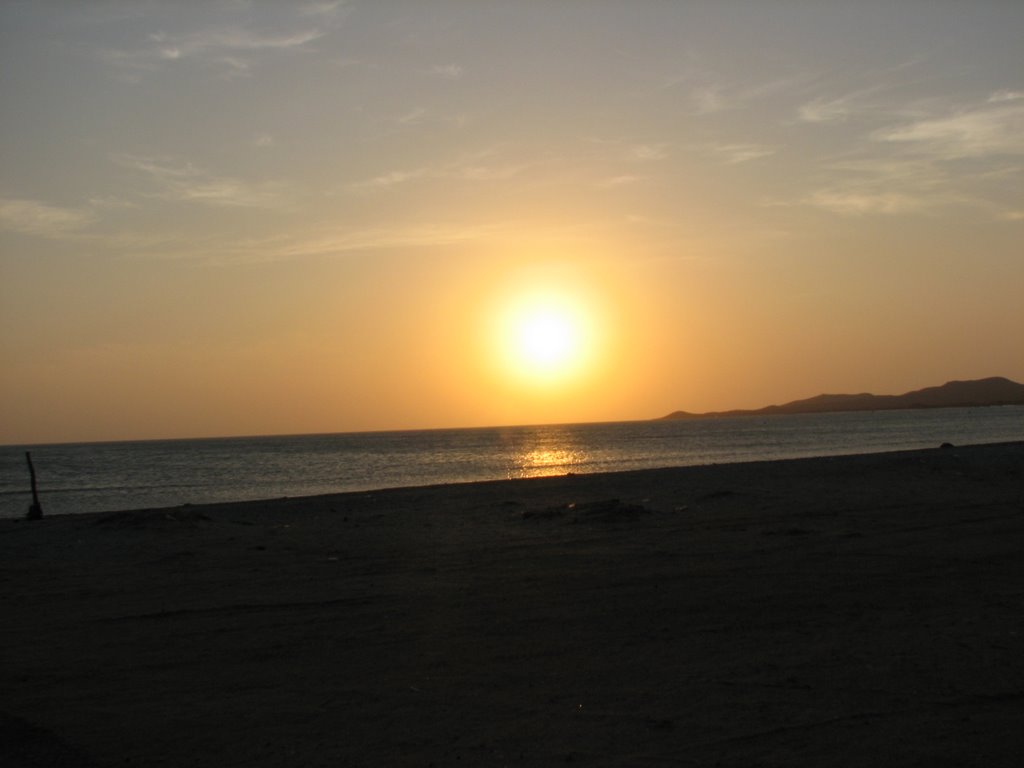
668	470
841	610
136	475
456	484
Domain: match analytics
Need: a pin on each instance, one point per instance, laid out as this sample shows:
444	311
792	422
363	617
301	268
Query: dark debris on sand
596	511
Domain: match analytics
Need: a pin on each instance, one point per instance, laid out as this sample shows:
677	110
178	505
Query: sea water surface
92	477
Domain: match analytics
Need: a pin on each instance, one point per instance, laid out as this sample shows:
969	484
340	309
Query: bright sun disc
545	339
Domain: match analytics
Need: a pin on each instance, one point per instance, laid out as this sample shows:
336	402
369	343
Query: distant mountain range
953	394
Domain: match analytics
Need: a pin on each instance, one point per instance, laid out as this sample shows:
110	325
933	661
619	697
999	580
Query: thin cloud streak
447	71
34	217
839	109
849	202
470	168
861	102
389	179
970	133
188	183
734	154
1005	95
620	181
323	8
232	47
887	186
648	152
942	156
716	96
348	241
225	48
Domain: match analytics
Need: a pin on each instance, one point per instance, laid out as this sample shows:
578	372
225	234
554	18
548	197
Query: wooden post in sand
35	510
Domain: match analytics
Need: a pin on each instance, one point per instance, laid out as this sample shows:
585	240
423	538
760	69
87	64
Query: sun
545	338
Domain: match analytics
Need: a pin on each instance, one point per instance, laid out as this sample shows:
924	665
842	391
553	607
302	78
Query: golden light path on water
548	452
547	462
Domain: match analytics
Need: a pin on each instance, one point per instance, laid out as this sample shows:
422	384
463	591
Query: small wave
87	489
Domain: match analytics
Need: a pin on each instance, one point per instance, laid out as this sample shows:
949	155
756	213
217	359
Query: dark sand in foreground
826	612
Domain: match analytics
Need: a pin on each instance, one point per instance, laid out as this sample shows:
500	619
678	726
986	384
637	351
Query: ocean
94	477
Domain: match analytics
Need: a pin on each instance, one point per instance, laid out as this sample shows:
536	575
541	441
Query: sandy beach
845	611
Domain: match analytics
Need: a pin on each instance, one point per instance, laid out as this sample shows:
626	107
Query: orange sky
266	218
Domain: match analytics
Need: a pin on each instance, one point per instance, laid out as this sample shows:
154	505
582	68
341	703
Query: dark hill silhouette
952	394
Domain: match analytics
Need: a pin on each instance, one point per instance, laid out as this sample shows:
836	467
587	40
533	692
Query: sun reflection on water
545	462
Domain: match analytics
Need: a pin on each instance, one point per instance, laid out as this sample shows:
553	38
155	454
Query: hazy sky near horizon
251	218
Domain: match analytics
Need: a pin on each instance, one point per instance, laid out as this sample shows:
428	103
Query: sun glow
546	339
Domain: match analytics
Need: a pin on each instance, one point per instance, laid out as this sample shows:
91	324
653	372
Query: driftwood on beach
837	611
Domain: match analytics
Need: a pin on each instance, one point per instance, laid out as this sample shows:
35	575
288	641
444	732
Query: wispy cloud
713	96
83	226
389	179
625	148
231	47
708	99
823	111
475	167
473	171
323	8
620	181
647	152
907	184
1005	95
837	109
854	202
34	217
884	185
740	152
188	183
926	155
109	202
969	133
412	117
447	71
304	242
341	241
